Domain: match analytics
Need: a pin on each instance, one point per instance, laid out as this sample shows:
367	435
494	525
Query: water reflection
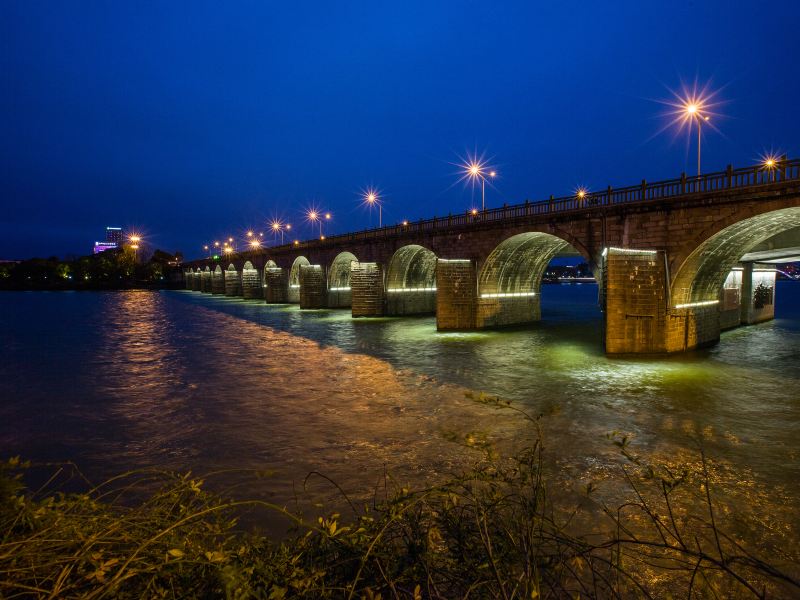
190	381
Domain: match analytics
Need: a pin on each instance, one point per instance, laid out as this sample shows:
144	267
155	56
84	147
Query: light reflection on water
188	381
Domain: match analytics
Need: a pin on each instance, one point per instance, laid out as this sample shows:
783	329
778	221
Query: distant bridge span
667	256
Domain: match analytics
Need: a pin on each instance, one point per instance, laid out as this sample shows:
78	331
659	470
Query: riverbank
495	531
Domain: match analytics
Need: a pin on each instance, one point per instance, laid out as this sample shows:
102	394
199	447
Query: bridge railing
759	175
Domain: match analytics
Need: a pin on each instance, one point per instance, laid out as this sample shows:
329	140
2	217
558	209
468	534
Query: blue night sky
194	121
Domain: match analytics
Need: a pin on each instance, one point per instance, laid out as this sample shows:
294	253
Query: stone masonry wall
313	287
411	302
502	312
233	283
276	280
251	285
366	281
456	294
217	283
636	300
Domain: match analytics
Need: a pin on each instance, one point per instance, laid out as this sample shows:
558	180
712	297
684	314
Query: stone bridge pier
676	262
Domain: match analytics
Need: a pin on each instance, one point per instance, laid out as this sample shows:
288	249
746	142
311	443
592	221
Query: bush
493	532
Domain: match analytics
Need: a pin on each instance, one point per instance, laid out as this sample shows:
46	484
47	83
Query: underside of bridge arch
711	291
233	281
701	276
510	279
218	281
251	282
339	292
293	294
650	310
411	281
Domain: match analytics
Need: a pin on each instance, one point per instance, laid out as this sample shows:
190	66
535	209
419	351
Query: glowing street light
312	216
693	104
770	164
249	234
277	226
134	240
371	199
255	244
693	111
476	169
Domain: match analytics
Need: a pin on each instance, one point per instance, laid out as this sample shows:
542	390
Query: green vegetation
494	532
110	269
762	295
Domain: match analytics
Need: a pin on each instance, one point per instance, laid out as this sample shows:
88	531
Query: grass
496	531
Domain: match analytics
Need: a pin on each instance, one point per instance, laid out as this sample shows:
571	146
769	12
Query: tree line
112	269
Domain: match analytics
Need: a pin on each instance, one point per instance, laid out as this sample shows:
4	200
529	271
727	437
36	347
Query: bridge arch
701	274
294	279
517	264
269	264
339	272
339	292
509	280
411	281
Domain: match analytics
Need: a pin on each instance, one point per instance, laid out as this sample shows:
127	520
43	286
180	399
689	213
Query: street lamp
475	170
312	216
371	199
693	111
134	240
255	244
277	226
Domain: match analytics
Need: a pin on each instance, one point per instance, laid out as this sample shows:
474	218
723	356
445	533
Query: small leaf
175	553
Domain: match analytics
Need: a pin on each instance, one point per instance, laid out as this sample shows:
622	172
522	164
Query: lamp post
277	226
477	170
134	240
313	217
693	112
371	198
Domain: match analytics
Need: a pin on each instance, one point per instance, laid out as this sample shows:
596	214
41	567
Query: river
182	380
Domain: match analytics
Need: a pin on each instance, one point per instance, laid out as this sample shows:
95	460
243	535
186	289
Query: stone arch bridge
677	261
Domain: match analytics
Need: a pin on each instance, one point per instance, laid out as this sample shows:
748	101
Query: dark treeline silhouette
112	269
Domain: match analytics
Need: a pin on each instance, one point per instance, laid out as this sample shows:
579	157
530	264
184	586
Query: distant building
103	246
114	235
113	240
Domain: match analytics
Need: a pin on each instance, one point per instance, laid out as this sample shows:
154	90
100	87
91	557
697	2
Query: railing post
784	160
683	183
550	205
644	189
608	197
729	173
